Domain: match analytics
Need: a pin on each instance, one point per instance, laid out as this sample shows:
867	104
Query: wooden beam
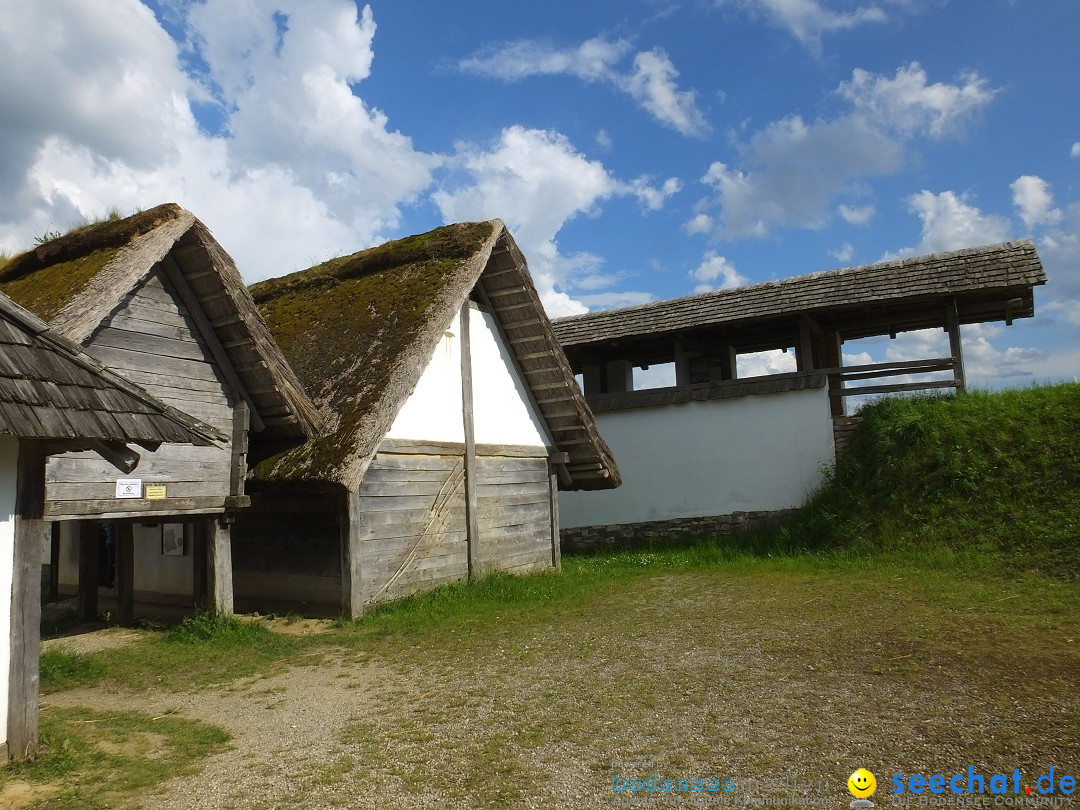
30	532
804	352
238	463
125	573
952	326
472	522
897	387
209	333
352	580
834	358
219	556
88	570
54	562
553	499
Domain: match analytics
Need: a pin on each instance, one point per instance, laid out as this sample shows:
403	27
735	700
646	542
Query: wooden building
451	420
715	451
54	399
156	298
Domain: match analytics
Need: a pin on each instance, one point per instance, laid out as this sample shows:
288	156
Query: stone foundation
674	532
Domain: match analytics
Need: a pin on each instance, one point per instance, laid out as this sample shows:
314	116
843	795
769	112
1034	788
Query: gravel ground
714	676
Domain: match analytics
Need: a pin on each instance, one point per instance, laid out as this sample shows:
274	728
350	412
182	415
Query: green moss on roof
349	325
46	278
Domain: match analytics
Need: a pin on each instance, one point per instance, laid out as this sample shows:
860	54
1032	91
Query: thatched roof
51	389
361	329
988	283
79	280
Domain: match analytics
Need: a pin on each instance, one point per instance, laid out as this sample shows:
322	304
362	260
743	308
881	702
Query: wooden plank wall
412	517
153	341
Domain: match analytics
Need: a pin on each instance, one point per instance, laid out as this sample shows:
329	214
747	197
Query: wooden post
30	532
682	364
804	352
834	358
219	556
88	570
952	326
125	573
592	377
619	376
352	583
472	522
238	464
553	494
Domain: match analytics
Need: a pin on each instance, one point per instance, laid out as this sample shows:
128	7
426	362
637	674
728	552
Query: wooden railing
838	377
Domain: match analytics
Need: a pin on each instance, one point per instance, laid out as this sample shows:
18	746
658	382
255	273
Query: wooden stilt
88	570
125	573
220	585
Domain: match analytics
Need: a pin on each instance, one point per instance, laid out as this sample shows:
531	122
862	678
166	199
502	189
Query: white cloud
1032	197
603	139
652	84
700	223
843	253
907	104
713	269
536	181
808	20
651	197
302	169
1075	151
857	214
757	364
790	172
650	81
950	223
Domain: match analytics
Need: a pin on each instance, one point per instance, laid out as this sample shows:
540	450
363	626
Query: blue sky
638	150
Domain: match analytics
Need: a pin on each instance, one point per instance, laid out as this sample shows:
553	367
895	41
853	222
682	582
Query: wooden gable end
153	339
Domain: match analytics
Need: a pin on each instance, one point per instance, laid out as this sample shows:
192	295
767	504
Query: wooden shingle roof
995	273
361	329
51	389
77	281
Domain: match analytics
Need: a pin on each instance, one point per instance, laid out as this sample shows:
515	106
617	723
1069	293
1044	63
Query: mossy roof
78	281
49	277
358	331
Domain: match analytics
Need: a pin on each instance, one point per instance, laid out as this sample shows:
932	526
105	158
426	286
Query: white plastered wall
155	573
9	458
502	413
716	457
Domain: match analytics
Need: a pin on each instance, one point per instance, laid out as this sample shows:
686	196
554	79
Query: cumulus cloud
536	181
857	214
790	172
301	169
1034	202
1075	151
950	222
651	80
843	253
809	20
716	272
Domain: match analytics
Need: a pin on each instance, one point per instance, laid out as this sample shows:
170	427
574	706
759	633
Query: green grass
89	759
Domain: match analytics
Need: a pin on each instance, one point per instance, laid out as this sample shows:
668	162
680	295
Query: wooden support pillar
88	570
30	533
804	351
619	375
834	358
352	581
472	520
592	376
125	573
728	369
952	326
220	574
682	364
554	462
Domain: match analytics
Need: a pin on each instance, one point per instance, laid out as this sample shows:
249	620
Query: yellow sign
155	492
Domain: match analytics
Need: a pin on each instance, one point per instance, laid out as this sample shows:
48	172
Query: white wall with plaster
9	465
697	459
155	572
502	413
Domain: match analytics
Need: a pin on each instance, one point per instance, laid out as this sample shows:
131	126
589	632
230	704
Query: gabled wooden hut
54	398
451	420
156	298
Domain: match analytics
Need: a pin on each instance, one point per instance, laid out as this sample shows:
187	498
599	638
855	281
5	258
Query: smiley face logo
862	784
